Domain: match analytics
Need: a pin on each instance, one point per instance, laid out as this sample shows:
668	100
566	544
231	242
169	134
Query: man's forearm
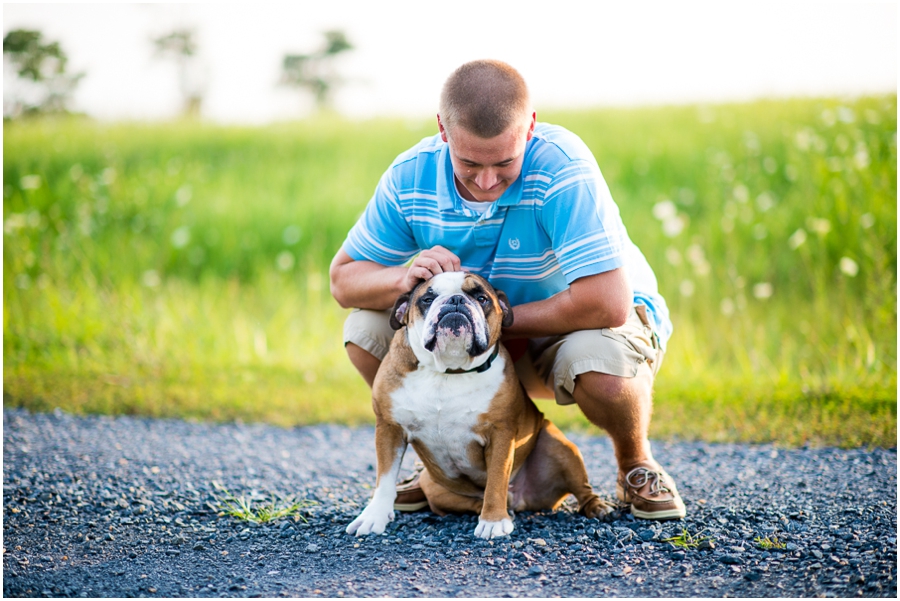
366	285
593	302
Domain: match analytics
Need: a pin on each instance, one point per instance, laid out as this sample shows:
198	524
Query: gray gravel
122	507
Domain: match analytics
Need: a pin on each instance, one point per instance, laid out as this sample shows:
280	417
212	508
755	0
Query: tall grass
181	269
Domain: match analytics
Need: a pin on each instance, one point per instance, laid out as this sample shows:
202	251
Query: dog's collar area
483	367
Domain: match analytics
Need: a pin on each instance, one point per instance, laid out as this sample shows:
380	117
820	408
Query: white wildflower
849	267
151	278
866	220
664	210
285	260
181	236
797	239
291	235
183	195
763	290
818	225
727	306
30	182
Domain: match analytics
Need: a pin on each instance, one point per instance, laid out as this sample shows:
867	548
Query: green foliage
315	71
182	269
768	543
688	541
179	43
243	508
41	67
181	46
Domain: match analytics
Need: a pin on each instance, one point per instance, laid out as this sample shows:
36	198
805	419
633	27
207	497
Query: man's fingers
446	259
430	264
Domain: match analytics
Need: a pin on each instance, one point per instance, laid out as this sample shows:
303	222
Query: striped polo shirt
556	223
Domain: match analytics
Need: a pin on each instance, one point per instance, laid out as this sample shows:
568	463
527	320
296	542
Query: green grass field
181	269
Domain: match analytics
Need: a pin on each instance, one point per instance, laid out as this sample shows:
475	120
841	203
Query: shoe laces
640	476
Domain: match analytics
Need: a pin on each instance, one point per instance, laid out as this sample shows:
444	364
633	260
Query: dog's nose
456	300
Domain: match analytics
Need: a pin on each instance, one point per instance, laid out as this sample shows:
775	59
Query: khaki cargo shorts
550	365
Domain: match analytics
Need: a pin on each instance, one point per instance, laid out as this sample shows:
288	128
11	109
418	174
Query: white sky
572	53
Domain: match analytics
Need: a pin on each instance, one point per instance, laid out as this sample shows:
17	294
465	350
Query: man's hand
368	285
428	264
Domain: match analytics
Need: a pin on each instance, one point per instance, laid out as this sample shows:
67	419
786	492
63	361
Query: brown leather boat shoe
409	494
651	493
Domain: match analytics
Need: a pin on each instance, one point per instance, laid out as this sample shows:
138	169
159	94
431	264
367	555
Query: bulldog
447	386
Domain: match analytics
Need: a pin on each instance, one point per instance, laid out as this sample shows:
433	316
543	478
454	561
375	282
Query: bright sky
572	53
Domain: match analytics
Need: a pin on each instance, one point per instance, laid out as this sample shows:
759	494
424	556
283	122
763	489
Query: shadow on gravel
102	507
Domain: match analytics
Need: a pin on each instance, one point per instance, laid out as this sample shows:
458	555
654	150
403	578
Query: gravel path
121	507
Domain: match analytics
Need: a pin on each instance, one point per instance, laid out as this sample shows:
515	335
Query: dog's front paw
488	530
373	520
596	507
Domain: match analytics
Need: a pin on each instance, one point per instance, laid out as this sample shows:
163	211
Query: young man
524	205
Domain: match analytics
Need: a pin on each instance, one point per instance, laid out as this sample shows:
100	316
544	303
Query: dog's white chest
440	411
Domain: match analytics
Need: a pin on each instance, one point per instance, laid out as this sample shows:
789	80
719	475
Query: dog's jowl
447	386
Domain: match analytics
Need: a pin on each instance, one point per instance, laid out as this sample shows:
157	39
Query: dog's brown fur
525	463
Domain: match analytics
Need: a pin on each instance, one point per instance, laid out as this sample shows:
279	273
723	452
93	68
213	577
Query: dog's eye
482	299
426	300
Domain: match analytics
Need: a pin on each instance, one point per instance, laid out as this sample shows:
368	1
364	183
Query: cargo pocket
628	358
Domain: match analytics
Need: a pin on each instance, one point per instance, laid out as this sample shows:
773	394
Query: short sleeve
382	234
583	222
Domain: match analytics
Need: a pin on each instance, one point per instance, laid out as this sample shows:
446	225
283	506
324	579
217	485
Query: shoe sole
409	507
669	514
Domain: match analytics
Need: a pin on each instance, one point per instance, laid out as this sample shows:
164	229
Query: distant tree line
44	86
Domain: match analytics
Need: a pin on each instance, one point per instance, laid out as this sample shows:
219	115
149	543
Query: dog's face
456	317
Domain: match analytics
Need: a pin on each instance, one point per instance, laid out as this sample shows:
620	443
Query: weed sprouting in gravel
686	540
243	508
769	543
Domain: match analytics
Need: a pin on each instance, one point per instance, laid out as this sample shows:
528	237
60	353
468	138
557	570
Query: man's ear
401	307
505	308
441	128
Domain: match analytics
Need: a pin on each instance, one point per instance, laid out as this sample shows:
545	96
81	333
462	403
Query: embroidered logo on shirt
514	243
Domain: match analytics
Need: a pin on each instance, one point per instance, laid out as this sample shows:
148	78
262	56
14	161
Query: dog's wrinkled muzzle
453	320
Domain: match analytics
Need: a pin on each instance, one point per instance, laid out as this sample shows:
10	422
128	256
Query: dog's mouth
454	328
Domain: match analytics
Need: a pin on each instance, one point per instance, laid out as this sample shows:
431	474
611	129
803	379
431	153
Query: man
524	205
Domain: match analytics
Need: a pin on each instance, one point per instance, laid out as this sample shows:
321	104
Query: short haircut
484	97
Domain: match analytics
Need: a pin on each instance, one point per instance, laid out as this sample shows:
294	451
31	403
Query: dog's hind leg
443	501
554	469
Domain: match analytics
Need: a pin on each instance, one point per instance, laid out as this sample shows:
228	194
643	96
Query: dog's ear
398	314
506	308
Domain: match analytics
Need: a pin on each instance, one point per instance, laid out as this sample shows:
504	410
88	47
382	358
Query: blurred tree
316	72
41	84
182	46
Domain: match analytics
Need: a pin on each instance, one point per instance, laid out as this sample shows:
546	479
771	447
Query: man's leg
609	374
367	337
622	407
365	362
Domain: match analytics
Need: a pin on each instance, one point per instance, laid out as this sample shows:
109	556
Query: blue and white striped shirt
556	223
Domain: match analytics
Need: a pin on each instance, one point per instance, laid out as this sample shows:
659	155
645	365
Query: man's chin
489	196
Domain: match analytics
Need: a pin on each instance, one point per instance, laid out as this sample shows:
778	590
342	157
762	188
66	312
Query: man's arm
592	302
370	285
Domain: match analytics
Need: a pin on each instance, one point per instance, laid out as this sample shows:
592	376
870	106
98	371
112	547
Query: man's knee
605	389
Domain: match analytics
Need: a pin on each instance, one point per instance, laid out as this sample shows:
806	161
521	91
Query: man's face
486	167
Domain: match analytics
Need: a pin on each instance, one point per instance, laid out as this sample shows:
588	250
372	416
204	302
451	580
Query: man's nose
487	179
